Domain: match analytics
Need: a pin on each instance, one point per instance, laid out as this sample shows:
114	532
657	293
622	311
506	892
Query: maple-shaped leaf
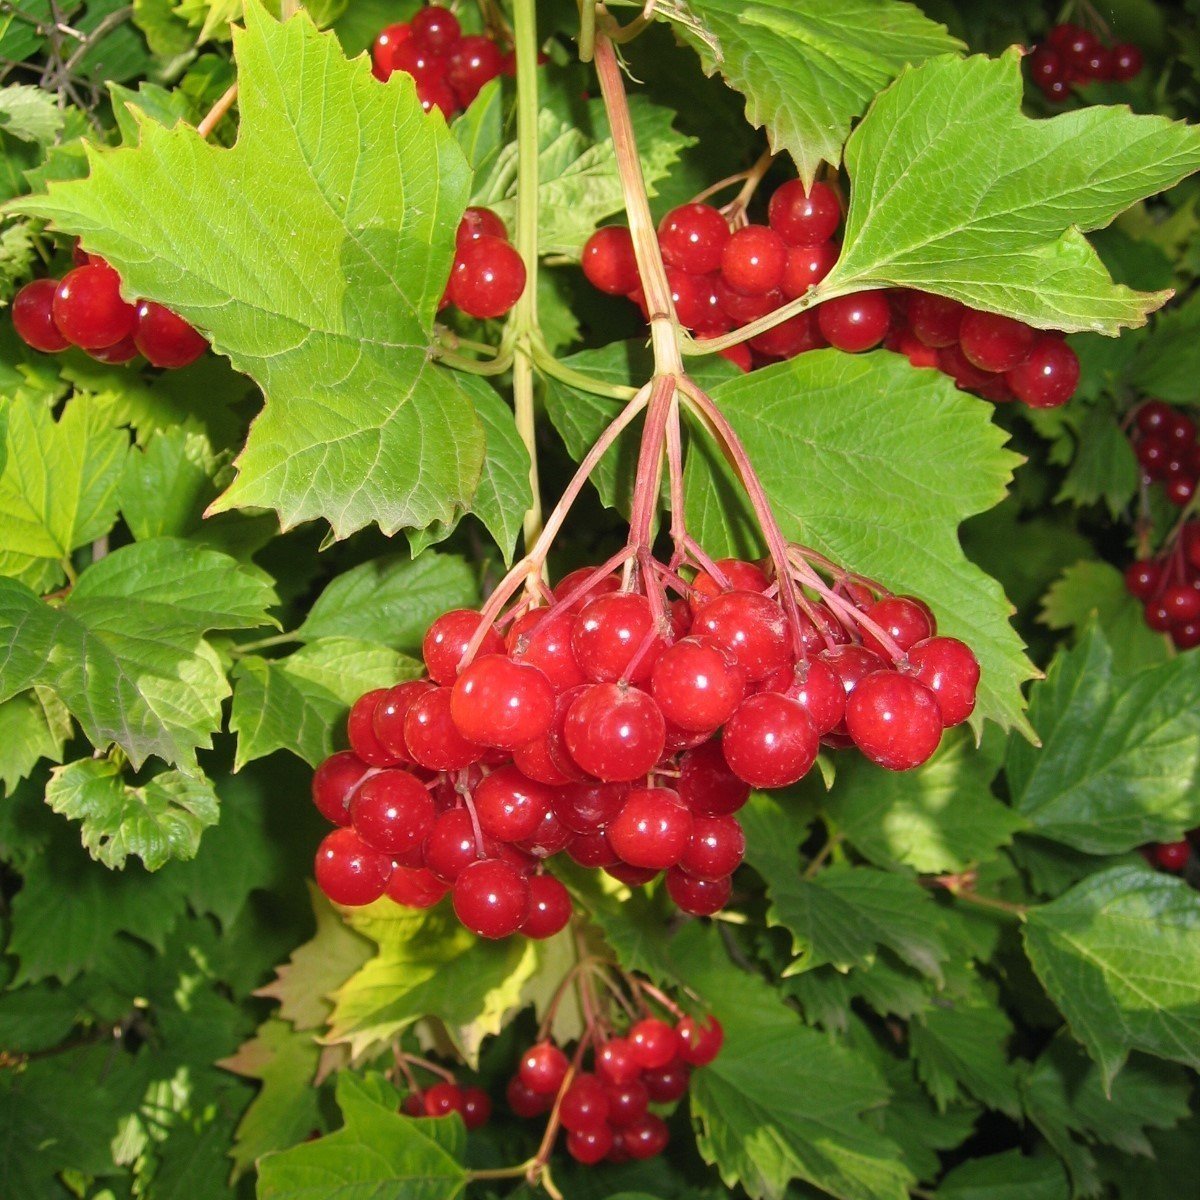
313	253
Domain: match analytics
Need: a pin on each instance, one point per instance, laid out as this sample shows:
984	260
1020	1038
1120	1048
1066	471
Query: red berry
451	847
653	1043
412	1105
1172	856
1049	376
894	720
549	907
645	1138
806	266
88	308
350	872
740	308
850	663
770	742
739	576
626	1101
1046	66
609	262
542	638
1186	636
615	733
1190	537
415	887
511	807
706	783
1182	602
697	685
476	1107
669	1083
1180	490
592	850
584	1104
392	812
804	219
501	703
587	807
693	237
491	898
387	716
567	590
383	51
589	1146
652	829
479	222
442	1098
750	627
994	343
915	350
525	1103
360	729
472	63
1154	417
935	319
951	671
432	734
698	897
1141	579
696	300
33	319
166	340
1157	617
715	848
333	784
816	687
1154	456
548	839
617	1063
754	260
855	323
796	335
700	1043
437	27
1125	62
905	620
610	631
487	278
543	1068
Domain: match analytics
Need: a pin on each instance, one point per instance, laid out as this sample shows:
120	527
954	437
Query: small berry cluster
1169	587
625	729
723	278
1071	54
1164	441
440	1099
488	276
85	309
606	1111
449	69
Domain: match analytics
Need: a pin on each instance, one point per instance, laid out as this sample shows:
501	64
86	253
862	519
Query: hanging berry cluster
448	68
1169	587
447	1096
85	309
488	276
1164	441
723	277
1072	55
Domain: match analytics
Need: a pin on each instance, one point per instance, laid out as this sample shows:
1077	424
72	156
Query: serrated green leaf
59	487
1007	236
391	600
165	31
18	253
807	67
1119	761
29	113
1104	466
1120	956
375	188
131	109
831	434
504	491
125	652
1007	1176
764	1110
166	485
159	821
1167	363
376	1153
33	725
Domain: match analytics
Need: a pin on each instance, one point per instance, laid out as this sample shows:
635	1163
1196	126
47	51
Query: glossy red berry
1048	376
700	1042
590	1146
333	784
479	222
993	342
1173	856
415	887
1046	66
433	736
442	1099
542	1068
542	638
806	266
804	219
951	671
610	632
750	627
754	260
903	618
615	733
587	807
548	839
796	335
707	784
387	716
626	1101
669	1083
487	279
737	575
525	1103
851	663
698	897
164	339
894	720
608	261
451	847
1180	489
770	742
715	848
693	237
935	319
549	907
1125	62
616	1062
652	829
501	703
350	872
1141	579
697	685
584	1104
491	898
384	48
473	62
447	639
653	1043
1182	602
645	1138
88	308
855	323
33	318
511	807
392	812
360	729
476	1107
697	301
816	687
437	27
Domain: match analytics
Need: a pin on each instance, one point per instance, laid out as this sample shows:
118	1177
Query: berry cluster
625	728
1071	54
440	1099
449	69
1164	441
1169	587
606	1111
722	278
85	309
488	276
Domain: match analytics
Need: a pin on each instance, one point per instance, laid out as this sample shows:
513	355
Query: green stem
587	30
577	379
278	639
525	317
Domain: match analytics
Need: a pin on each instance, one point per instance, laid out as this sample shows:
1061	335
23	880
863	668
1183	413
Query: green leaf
375	188
159	821
831	434
1120	956
166	33
29	113
392	600
298	703
376	1153
59	486
1007	1176
18	253
1167	363
125	652
808	67
1119	763
166	485
151	102
33	725
941	817
767	1110
1094	592
1009	235
1104	466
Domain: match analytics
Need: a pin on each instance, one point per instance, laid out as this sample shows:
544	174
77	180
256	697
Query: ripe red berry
741	309
1182	602
851	663
1046	66
387	717
951	672
806	266
616	1062
1125	62
652	829
935	319
653	1043
754	260
707	785
548	839
1141	579
816	687
567	589
770	742
501	703
88	308
904	619
693	237
437	27
384	48
1172	856
451	846
697	685
334	782
993	342
511	807
472	63
715	848
645	1138
614	733
415	887
1048	376
476	1107
586	807
479	222
804	219
669	1083
350	872
392	812
1180	489
894	720
584	1104
626	1101
549	907
700	1043
610	631
412	1105
589	1146
750	627
608	261
739	576
432	735
525	1103
796	335
491	898
360	729
542	1068
33	318
164	339
855	323
696	300
487	278
542	638
443	1098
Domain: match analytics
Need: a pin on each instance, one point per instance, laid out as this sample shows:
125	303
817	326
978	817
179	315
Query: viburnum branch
648	480
213	118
